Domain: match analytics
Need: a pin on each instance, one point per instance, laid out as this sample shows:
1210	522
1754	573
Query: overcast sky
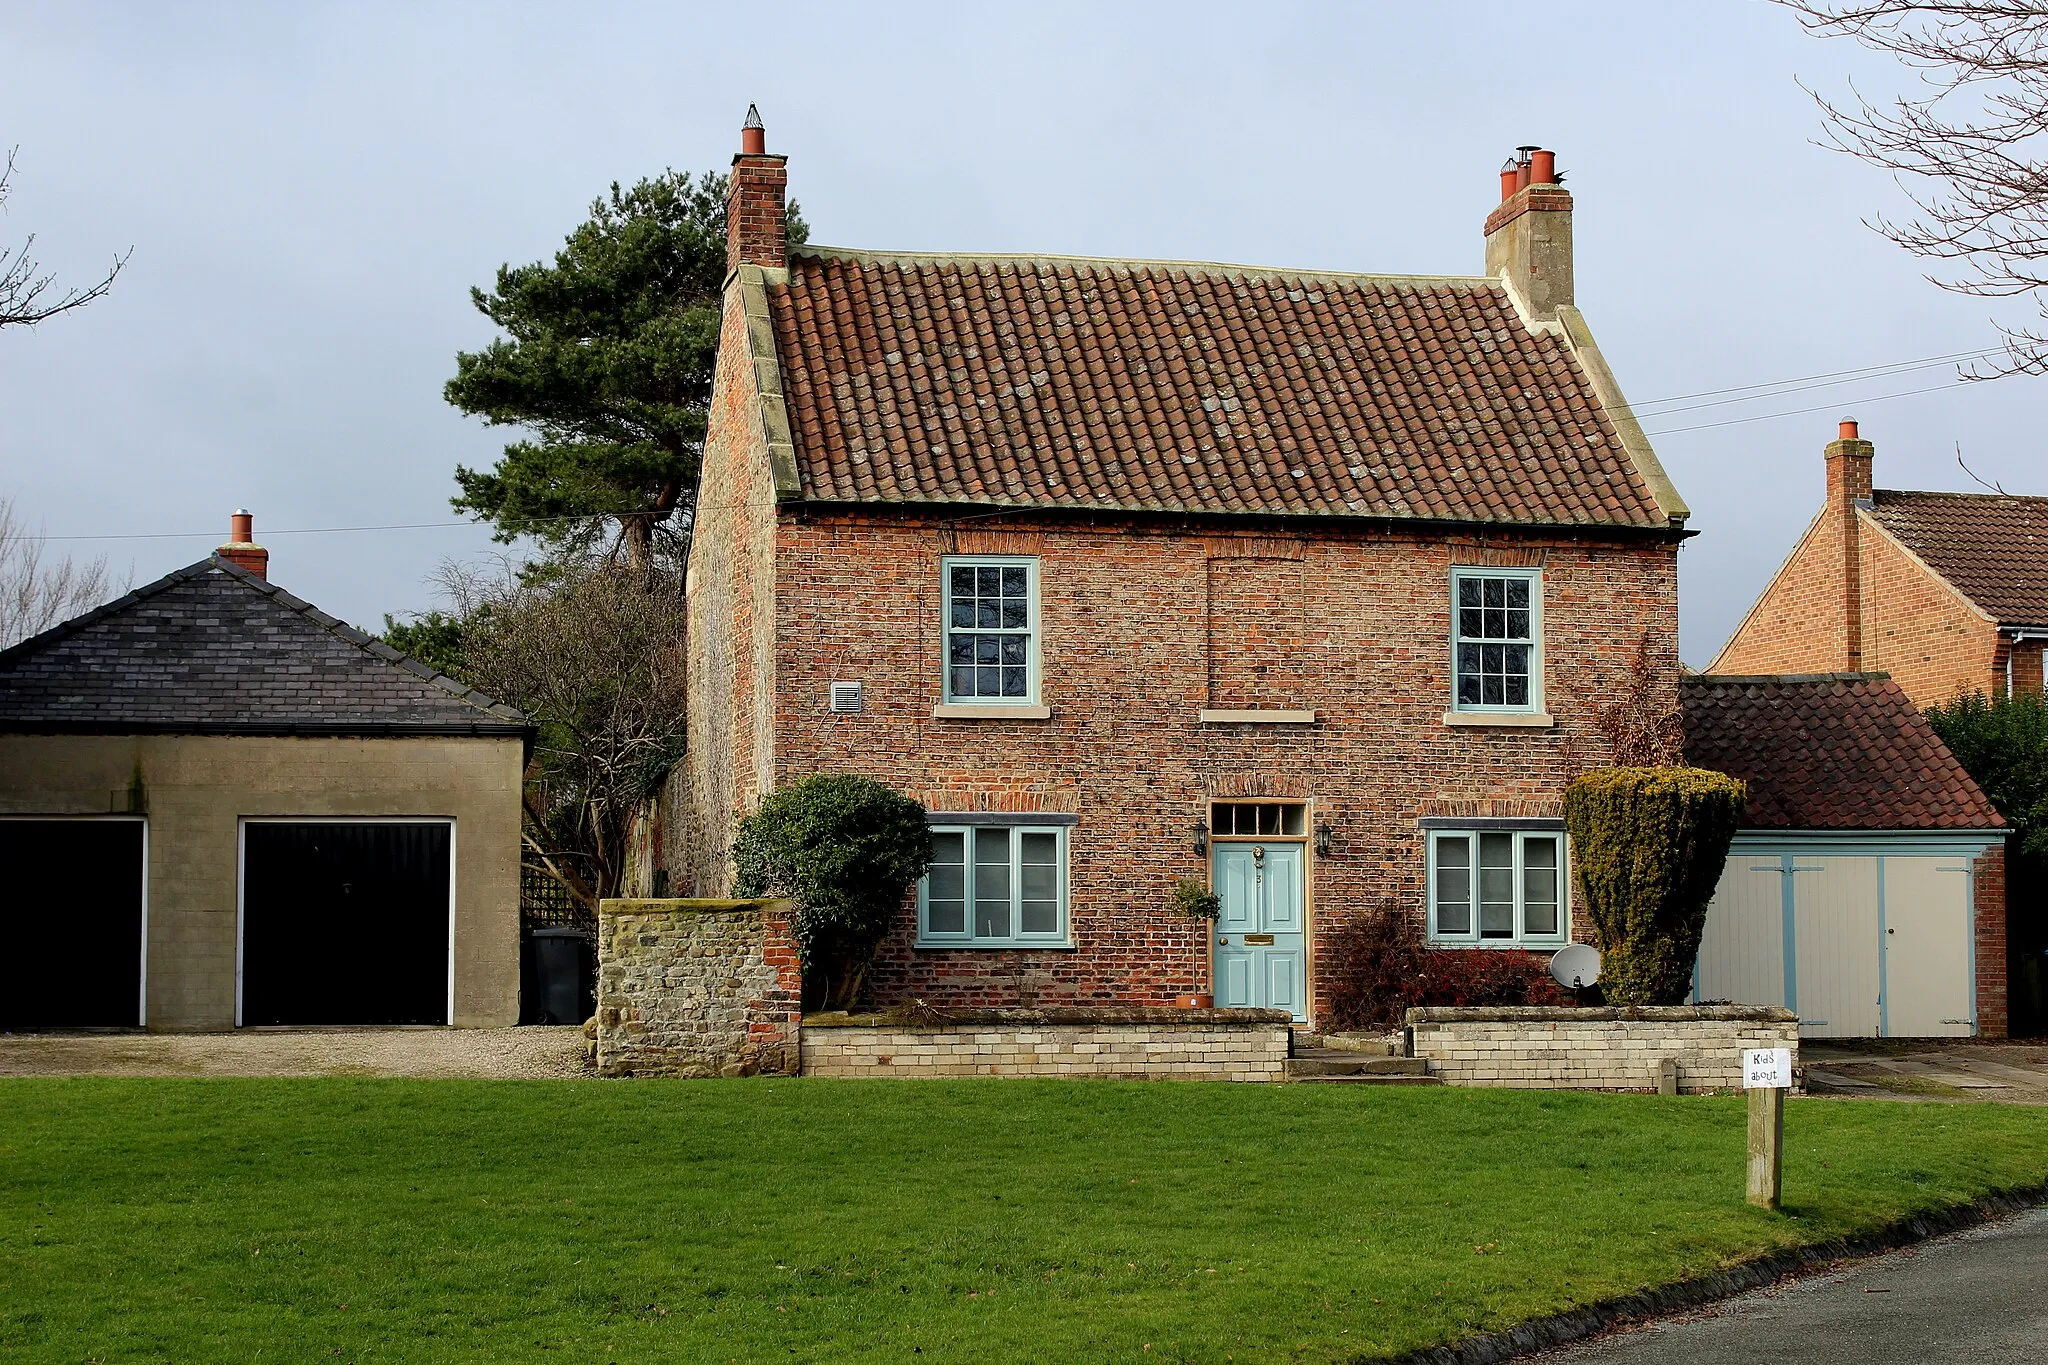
310	190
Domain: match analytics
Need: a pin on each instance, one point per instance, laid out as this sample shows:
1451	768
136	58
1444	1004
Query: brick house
1946	592
1297	581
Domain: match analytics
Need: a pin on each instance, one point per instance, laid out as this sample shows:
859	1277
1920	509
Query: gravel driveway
497	1053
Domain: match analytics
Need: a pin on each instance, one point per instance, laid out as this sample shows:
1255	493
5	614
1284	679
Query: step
1324	1064
1370	1044
1365	1079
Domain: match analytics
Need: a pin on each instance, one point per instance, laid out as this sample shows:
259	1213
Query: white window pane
1041	917
1454	885
949	846
1539	918
992	919
945	916
1496	886
1040	883
946	882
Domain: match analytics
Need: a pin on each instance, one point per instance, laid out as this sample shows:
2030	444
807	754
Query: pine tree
607	359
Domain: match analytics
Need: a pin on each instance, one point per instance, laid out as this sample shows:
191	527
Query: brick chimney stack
242	551
756	224
1849	459
1529	234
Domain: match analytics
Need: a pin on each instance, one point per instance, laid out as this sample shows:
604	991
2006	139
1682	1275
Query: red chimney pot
1847	430
1542	167
242	549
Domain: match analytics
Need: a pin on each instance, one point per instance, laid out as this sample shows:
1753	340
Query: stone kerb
697	988
1597	1049
1128	1042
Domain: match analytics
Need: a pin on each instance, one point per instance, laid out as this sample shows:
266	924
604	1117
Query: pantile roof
1829	751
1992	547
213	649
1065	382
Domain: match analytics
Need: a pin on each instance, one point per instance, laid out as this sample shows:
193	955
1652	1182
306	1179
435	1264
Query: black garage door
70	923
345	923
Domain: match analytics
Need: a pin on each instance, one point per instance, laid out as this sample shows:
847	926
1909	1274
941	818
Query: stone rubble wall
1597	1049
697	988
1158	1044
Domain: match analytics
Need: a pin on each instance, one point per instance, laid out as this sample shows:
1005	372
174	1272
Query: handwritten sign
1767	1068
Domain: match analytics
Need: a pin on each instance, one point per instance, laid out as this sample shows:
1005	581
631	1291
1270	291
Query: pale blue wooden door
1261	951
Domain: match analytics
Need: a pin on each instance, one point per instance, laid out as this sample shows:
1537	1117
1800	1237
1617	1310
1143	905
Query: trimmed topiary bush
845	849
1649	845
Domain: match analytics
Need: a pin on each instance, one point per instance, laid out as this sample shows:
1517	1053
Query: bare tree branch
1967	149
23	290
35	596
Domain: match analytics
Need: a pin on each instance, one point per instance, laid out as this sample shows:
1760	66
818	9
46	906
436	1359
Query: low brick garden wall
1597	1049
696	988
1139	1043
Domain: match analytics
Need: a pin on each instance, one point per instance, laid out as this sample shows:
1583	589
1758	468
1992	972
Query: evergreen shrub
1649	845
844	848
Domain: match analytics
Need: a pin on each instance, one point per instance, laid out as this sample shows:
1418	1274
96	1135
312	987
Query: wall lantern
1201	833
1324	834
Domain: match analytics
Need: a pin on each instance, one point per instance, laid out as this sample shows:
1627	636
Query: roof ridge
1942	493
1776	679
870	256
370	644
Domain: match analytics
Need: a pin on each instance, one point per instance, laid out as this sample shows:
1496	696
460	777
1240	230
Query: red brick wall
1798	625
1916	627
2026	669
1126	634
1989	881
731	584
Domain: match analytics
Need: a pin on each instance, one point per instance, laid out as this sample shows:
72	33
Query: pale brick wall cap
1102	1014
1464	1014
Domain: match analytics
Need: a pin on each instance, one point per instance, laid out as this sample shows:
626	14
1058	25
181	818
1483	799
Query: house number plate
1258	938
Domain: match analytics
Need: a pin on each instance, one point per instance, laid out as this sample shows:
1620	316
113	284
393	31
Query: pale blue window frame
973	898
1001	625
1496	640
1459	863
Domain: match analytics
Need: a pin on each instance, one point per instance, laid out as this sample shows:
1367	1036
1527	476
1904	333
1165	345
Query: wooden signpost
1766	1075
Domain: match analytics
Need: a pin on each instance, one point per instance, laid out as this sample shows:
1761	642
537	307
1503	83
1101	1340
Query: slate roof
1829	751
1066	382
213	649
1992	547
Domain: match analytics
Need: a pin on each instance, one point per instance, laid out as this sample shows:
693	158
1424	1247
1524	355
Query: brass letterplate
1258	938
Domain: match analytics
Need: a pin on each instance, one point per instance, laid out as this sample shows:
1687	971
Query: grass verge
416	1221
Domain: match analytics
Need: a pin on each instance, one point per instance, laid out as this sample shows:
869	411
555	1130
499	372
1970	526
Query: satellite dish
1575	966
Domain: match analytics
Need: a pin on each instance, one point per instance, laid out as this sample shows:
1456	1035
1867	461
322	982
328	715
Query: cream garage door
1834	940
1927	948
1860	946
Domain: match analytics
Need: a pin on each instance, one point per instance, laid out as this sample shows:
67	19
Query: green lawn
384	1221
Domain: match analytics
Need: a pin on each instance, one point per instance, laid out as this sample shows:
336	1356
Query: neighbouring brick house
1946	592
1300	581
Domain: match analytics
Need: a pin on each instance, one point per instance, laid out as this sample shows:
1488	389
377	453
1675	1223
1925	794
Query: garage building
221	807
1866	889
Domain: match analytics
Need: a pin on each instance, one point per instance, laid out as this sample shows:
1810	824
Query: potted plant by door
1194	899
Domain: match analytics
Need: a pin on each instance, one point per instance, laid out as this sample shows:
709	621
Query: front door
1261	951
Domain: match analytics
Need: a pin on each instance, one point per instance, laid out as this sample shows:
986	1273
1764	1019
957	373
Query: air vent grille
847	698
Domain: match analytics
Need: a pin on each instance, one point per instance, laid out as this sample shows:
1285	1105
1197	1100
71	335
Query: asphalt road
1979	1296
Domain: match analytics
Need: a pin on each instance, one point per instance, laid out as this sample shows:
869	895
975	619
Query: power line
1844	375
1795	412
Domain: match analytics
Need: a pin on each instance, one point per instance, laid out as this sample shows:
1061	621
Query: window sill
992	946
1501	720
1256	716
950	711
1492	945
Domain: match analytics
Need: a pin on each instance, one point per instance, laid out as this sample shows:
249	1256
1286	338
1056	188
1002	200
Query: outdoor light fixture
1201	831
1323	836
